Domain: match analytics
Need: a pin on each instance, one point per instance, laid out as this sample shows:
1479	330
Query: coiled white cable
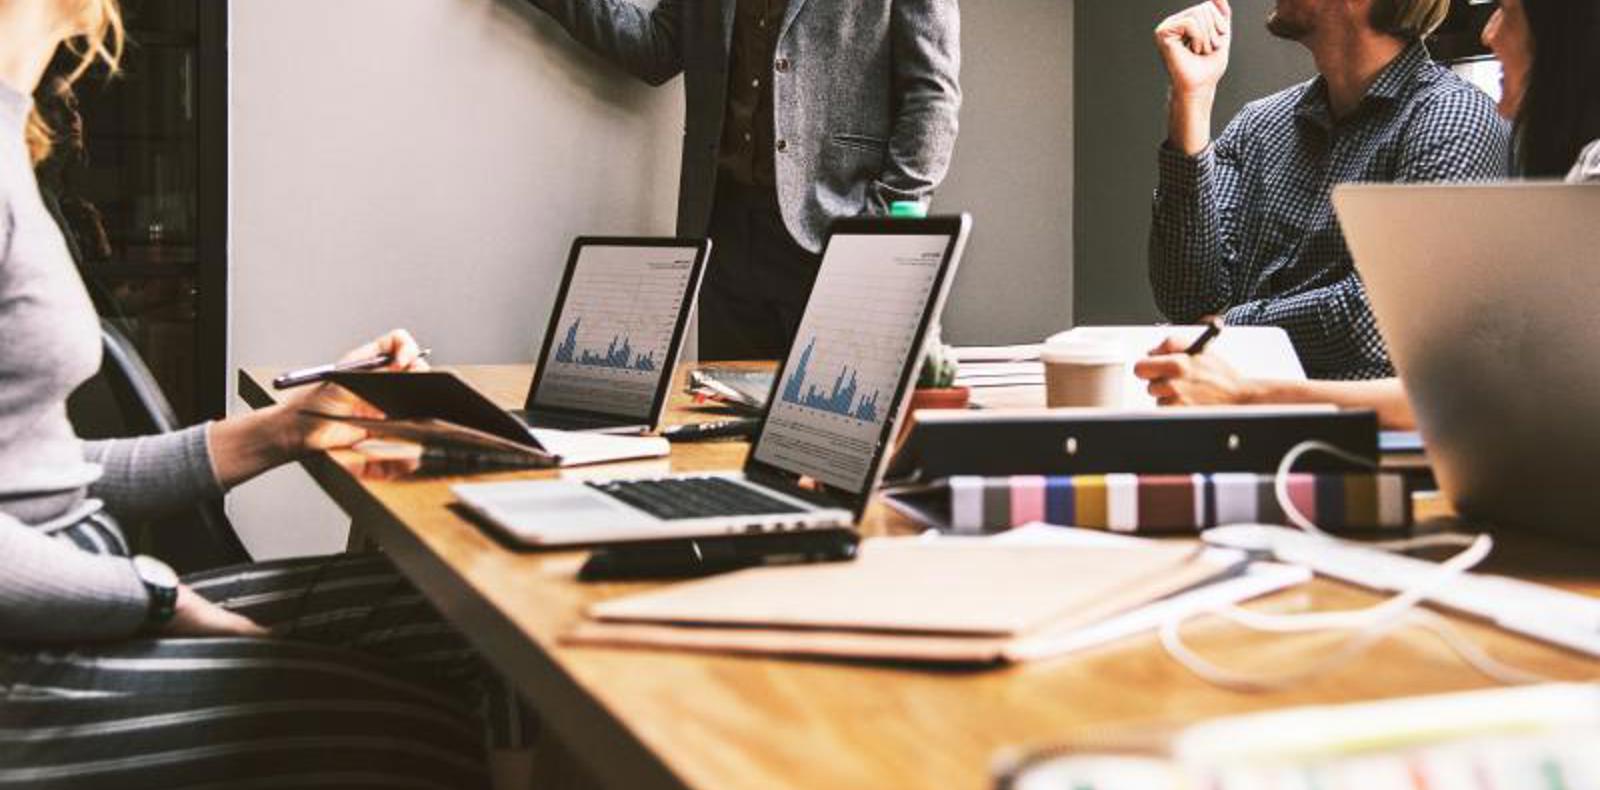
1371	624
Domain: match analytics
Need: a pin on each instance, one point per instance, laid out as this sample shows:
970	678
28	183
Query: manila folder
902	600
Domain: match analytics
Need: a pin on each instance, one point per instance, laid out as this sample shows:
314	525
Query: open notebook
963	602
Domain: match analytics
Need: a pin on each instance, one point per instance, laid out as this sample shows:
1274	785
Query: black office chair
123	400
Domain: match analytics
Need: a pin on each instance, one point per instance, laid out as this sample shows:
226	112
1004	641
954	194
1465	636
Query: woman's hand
196	616
308	434
249	444
1178	379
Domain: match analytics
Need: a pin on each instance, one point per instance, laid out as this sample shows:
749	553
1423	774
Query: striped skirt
362	685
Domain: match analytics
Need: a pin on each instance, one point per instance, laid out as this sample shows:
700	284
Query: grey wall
422	163
426	162
1013	170
1121	111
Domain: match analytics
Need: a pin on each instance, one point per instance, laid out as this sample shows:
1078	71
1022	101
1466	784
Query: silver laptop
1489	299
836	401
615	334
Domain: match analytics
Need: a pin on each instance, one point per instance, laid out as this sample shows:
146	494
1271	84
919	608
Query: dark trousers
758	280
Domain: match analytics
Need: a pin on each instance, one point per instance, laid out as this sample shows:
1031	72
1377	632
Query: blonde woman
115	673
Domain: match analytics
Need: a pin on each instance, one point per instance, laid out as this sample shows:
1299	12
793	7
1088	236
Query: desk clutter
737	389
775	560
1142	471
1200	440
1359	502
1507	739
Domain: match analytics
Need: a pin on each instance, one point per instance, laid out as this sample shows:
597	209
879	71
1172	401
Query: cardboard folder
903	600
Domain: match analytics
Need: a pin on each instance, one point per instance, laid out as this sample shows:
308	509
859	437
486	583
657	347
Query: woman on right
1550	89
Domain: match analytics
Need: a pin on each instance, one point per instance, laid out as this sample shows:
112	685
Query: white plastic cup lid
1082	352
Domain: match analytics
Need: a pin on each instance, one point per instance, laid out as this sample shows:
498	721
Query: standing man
799	112
1244	226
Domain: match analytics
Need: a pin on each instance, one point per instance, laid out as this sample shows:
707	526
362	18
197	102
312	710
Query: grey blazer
866	96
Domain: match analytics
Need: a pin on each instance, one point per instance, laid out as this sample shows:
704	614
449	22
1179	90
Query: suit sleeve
927	85
646	43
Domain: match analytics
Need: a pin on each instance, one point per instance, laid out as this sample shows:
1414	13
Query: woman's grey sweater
50	591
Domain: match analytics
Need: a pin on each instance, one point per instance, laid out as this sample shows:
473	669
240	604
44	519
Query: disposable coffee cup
1083	373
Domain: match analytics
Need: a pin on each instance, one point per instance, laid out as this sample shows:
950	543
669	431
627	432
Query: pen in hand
304	376
1198	347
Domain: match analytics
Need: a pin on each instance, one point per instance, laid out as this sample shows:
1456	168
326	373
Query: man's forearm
1385	396
1189	121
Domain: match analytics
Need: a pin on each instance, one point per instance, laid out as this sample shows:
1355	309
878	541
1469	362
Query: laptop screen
857	349
617	327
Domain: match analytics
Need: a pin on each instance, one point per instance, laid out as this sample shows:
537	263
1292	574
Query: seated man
1244	226
1557	123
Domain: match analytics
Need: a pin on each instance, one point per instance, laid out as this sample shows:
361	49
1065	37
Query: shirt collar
1392	84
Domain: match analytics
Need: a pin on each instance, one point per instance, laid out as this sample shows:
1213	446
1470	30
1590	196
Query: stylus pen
1213	328
690	557
304	376
710	430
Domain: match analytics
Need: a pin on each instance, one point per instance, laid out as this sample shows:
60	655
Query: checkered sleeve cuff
1184	175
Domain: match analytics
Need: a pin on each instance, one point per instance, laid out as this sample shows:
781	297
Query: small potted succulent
936	387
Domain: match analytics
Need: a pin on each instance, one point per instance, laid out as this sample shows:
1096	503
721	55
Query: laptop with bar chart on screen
615	333
821	449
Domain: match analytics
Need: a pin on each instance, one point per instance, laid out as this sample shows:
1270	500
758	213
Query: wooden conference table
637	719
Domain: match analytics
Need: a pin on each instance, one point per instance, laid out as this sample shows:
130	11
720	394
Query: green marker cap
908	209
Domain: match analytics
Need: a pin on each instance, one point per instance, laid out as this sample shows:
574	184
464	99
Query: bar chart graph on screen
615	357
852	348
841	398
615	331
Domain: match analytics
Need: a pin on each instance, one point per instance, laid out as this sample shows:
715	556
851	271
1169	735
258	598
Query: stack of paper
1002	377
999	366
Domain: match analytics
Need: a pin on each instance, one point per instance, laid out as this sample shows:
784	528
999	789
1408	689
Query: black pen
710	430
1213	328
300	378
686	558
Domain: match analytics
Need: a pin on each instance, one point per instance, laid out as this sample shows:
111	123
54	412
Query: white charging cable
1371	624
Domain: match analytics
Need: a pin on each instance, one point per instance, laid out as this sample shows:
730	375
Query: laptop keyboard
679	498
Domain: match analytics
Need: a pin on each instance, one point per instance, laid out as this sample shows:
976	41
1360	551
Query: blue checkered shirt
1246	229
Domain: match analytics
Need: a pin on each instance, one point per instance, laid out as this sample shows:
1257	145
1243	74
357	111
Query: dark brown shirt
746	153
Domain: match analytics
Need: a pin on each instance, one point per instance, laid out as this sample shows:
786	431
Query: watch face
154	571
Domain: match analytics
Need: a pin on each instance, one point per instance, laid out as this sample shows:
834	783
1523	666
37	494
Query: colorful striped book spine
1177	503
